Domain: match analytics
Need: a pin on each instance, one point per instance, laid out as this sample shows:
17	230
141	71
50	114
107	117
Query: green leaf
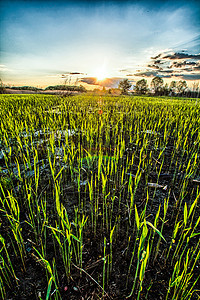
194	234
158	232
193	205
75	238
58	173
185	214
157	215
137	219
49	288
144	263
176	281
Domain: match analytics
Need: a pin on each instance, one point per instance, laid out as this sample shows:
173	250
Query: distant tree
66	88
104	89
157	85
195	87
181	86
166	89
195	90
124	85
172	87
141	86
2	87
81	89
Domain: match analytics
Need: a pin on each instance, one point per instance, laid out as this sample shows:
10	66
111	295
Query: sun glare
101	74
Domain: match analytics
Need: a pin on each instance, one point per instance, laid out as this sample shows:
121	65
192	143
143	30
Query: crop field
99	197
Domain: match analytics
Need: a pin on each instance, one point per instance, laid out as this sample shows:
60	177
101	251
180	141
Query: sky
98	43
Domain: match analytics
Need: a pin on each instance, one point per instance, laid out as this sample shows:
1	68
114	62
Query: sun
101	73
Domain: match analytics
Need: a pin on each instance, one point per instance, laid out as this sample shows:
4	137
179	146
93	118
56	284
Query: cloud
147	74
157	56
166	71
108	82
67	74
182	56
3	68
89	80
177	64
188	76
124	70
154	66
197	68
76	73
151	73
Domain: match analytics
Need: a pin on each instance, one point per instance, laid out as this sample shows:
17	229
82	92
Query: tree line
158	88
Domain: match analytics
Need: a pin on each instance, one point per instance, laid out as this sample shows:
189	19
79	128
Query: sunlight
101	73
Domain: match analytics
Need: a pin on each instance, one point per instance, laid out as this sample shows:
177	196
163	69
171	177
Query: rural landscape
99	197
99	150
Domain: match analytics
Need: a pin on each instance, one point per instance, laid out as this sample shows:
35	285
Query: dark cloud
166	71
187	69
192	66
157	64
154	66
163	74
182	56
147	74
178	64
157	56
188	76
151	74
76	73
197	68
191	63
67	74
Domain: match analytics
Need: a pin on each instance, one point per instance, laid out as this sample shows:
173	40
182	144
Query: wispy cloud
152	74
4	68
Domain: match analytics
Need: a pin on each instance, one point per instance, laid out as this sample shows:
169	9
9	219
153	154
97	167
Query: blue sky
52	42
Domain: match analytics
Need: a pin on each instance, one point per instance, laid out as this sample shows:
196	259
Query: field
99	197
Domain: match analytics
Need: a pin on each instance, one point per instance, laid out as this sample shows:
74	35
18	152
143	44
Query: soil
32	282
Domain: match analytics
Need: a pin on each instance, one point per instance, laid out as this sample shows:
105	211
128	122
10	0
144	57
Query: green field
99	197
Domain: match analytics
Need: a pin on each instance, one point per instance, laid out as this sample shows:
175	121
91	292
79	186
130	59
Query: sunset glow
101	73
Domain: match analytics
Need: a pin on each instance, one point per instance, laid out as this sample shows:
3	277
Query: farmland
99	197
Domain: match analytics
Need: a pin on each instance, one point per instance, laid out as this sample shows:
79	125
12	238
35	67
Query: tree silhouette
172	87
141	86
124	85
181	86
157	85
2	87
